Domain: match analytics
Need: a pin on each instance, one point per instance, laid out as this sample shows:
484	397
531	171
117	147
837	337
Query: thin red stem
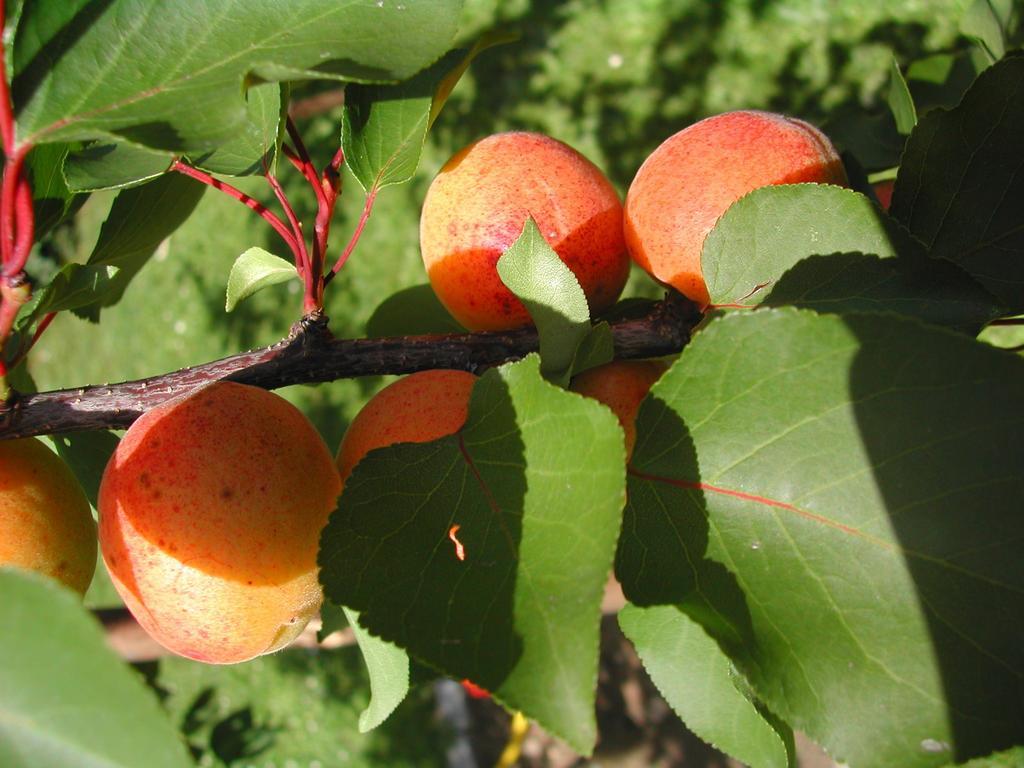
306	168
6	107
302	263
249	202
24	224
338	159
1008	321
367	208
40	330
8	208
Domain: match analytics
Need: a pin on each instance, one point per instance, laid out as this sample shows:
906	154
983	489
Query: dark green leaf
960	189
254	270
383	127
768	231
254	148
65	698
73	287
86	454
1011	758
535	482
52	200
836	499
700	683
410	312
388	667
935	291
139	220
114	165
332	619
900	101
552	295
176	81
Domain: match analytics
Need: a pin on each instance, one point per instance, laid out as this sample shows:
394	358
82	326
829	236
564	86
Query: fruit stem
367	208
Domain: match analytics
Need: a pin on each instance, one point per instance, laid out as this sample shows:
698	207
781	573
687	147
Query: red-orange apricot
689	181
621	385
45	521
476	208
418	408
210	516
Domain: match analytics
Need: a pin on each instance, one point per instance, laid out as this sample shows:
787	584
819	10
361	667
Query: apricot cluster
211	508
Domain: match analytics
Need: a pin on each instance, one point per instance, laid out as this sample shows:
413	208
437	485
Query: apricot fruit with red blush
688	182
45	521
417	408
210	516
621	385
477	206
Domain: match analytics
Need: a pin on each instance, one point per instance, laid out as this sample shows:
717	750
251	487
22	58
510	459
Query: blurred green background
613	78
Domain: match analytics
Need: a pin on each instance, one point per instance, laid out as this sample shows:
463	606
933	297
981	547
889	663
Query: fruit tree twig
310	354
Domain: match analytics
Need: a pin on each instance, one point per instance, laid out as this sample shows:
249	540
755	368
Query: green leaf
139	220
86	454
937	292
1011	758
73	287
176	81
960	189
768	231
900	101
332	619
254	270
388	667
65	698
52	199
836	499
411	312
985	22
700	684
532	270
535	483
114	165
254	148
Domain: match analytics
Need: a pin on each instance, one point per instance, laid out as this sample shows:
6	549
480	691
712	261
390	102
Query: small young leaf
900	101
388	667
114	165
960	189
553	297
836	499
253	271
64	696
411	312
139	220
698	681
535	483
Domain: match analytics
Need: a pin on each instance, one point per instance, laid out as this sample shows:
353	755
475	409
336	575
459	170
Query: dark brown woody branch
310	354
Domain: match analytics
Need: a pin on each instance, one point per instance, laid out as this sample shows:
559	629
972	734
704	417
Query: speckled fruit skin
45	521
210	515
689	181
621	385
418	408
476	208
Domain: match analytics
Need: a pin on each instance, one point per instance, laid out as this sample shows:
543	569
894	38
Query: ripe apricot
621	385
45	521
476	208
689	181
418	408
210	516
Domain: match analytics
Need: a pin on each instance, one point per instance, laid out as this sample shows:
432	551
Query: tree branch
310	354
